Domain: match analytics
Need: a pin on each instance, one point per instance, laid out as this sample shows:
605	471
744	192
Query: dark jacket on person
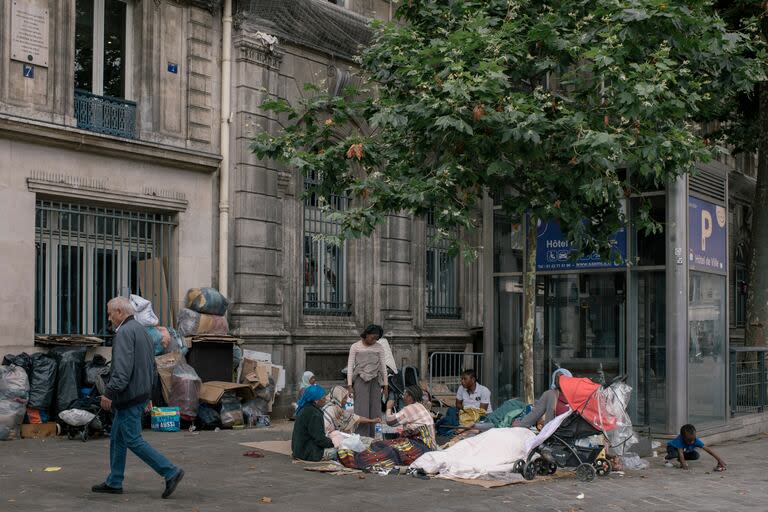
309	439
133	366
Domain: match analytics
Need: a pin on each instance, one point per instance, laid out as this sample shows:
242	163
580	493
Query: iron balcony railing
104	114
748	379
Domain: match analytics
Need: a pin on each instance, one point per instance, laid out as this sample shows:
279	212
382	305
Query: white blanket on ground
490	455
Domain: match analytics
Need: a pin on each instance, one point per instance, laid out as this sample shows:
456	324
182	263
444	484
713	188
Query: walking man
128	392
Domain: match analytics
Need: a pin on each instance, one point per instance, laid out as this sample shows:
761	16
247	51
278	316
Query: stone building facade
294	297
109	148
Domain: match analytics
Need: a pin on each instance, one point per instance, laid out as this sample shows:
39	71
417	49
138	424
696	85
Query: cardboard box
256	373
211	392
38	430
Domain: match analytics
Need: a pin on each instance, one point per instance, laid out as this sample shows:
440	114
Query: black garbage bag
70	375
208	417
97	373
42	381
23	360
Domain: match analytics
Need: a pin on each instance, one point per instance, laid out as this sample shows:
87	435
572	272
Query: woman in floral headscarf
336	418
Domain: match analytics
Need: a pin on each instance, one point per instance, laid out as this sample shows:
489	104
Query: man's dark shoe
107	489
171	483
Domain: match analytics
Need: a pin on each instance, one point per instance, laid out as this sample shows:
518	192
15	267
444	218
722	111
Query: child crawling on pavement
684	448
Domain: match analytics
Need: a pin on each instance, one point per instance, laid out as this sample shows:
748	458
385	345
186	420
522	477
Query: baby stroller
563	443
408	376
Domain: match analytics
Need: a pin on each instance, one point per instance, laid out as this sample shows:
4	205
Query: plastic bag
189	323
255	413
144	313
70	375
14	393
177	342
208	417
207	300
22	360
157	339
76	417
353	442
42	381
632	461
612	409
185	390
231	410
97	373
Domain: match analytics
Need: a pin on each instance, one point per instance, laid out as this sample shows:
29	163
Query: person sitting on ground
337	418
471	394
414	417
309	441
550	404
683	448
307	379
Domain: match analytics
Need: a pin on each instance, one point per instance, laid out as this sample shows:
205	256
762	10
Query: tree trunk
757	290
529	310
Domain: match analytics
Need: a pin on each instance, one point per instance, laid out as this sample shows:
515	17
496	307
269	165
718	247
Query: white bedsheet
490	455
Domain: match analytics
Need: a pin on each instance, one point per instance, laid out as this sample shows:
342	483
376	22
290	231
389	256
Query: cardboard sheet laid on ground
281	447
491	484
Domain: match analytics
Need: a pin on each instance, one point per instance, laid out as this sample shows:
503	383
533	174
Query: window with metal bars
325	264
442	283
85	255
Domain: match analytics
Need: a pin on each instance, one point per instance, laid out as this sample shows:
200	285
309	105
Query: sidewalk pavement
219	477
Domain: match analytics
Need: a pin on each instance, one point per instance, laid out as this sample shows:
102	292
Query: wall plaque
29	33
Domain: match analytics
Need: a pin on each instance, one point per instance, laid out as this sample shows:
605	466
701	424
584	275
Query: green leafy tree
543	104
745	118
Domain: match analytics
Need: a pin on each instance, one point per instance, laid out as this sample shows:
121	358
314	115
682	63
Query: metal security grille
325	264
84	256
442	276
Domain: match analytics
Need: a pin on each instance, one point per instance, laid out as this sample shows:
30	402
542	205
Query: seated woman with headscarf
337	419
309	441
415	419
550	404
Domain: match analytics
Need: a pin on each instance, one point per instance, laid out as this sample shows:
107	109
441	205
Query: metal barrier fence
748	378
445	368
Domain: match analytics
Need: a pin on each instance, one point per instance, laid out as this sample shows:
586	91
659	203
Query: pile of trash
59	386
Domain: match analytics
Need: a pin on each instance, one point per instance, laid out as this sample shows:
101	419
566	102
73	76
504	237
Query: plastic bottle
378	435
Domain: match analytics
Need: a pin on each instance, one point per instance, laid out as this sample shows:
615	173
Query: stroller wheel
530	470
552	468
84	435
603	467
542	467
585	472
519	465
70	435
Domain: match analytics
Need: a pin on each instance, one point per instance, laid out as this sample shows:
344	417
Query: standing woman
367	376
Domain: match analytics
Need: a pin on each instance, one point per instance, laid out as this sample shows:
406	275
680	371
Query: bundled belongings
231	413
207	300
70	363
86	417
383	455
14	393
143	311
22	360
164	365
595	411
190	322
97	373
488	456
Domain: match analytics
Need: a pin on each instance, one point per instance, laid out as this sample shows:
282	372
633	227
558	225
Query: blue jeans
126	434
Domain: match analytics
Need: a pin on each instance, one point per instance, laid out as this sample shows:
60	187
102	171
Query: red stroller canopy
584	397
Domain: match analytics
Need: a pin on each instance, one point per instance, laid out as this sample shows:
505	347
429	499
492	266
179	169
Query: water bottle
378	435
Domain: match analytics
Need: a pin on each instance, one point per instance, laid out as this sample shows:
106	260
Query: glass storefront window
648	249
509	334
508	244
706	348
583	325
